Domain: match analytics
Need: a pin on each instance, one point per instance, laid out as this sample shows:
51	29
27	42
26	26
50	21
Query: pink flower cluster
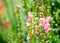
30	15
44	22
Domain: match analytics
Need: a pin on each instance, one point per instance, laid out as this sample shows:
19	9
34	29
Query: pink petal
47	27
30	14
48	19
42	21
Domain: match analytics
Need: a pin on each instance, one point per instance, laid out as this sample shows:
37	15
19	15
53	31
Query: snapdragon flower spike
6	24
47	27
44	22
30	15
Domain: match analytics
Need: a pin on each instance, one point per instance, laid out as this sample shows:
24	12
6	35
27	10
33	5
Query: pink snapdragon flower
32	31
46	27
36	32
48	19
42	22
30	15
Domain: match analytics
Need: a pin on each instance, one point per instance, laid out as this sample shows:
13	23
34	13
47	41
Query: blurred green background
8	12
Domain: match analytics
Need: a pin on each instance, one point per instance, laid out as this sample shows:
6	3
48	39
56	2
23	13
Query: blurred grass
8	12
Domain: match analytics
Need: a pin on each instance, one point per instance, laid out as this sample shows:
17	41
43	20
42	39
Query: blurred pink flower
1	8
48	19
32	31
6	23
42	22
1	5
30	15
36	32
46	27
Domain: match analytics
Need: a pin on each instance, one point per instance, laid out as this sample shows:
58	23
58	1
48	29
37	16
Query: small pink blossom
32	31
36	32
30	15
47	27
48	19
42	21
28	19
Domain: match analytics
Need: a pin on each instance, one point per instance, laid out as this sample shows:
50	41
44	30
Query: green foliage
18	31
